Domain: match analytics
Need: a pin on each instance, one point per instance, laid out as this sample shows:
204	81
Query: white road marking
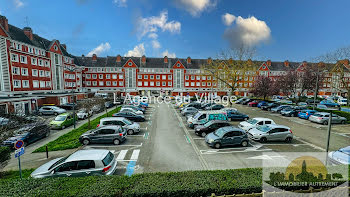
264	157
122	155
312	145
198	138
135	154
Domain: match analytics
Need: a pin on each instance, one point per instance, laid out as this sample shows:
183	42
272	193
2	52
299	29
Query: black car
195	105
235	115
292	111
215	107
105	134
68	106
28	134
204	105
211	126
109	104
246	101
131	116
269	106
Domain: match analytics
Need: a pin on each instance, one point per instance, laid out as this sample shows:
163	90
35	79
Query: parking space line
312	145
122	155
187	139
135	154
198	138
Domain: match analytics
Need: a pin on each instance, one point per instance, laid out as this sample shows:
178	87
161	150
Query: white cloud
170	55
18	3
153	35
103	47
120	3
155	23
195	7
228	19
155	44
248	31
138	51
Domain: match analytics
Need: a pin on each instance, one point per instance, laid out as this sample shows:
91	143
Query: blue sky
281	30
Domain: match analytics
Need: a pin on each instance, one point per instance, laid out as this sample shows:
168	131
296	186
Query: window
169	83
163	76
88	76
120	76
152	83
151	76
158	83
42	84
47	73
47	64
120	83
146	76
94	83
163	83
158	77
43	53
41	73
94	76
48	84
203	83
170	77
34	72
18	47
37	51
209	77
139	76
204	77
145	83
192	77
41	62
139	83
198	84
209	84
187	84
35	84
23	59
114	76
108	76
130	64
85	164
192	83
100	83
198	77
25	71
100	76
25	84
33	61
14	57
108	83
15	71
30	50
115	83
88	83
187	77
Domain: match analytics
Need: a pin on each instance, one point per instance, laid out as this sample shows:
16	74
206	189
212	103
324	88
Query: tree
288	83
89	105
263	87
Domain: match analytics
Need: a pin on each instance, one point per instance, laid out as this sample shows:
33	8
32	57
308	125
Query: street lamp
329	131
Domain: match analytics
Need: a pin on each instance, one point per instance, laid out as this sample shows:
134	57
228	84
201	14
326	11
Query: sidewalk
34	160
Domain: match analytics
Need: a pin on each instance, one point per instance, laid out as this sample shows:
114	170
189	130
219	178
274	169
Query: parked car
205	105
68	106
80	163
215	107
330	103
131	116
342	101
254	122
236	115
323	118
189	110
253	103
305	114
97	108
109	104
136	108
131	127
204	116
28	134
226	136
239	101
271	132
311	101
340	157
269	106
292	111
128	109
105	134
211	126
284	101
246	101
262	103
302	104
4	121
84	114
279	108
62	121
51	110
195	105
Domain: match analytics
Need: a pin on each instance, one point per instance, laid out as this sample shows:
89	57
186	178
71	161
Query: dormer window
18	46
178	65
55	47
130	64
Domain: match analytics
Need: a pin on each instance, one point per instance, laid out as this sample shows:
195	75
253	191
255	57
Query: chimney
143	59
268	62
230	61
286	63
28	32
4	23
64	46
82	55
250	62
304	63
118	58
209	60
188	60
94	57
165	59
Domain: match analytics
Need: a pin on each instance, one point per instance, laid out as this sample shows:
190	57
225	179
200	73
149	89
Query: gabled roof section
130	64
263	67
54	44
3	32
178	65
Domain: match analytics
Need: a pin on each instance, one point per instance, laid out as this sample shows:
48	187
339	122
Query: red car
253	103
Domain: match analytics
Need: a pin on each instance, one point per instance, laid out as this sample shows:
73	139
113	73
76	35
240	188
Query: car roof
109	127
112	118
259	118
323	113
212	112
231	128
93	154
218	121
277	126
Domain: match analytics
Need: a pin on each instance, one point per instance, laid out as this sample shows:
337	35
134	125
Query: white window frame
34	61
100	83
14	57
23	59
24	71
42	84
18	82
41	73
34	72
121	83
25	83
17	69
121	76
36	84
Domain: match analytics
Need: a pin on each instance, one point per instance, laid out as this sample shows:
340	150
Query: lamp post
329	131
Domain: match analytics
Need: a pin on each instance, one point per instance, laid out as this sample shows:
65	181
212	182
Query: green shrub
5	154
70	140
14	174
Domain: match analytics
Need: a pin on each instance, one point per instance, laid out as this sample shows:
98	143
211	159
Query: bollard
47	153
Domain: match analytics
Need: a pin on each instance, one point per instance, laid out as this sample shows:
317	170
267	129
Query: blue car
262	103
305	114
330	103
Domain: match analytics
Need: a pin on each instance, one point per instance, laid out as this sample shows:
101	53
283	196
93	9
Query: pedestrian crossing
126	155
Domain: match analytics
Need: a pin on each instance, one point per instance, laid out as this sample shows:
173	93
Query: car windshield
197	115
60	118
128	122
263	128
345	150
252	121
219	132
108	159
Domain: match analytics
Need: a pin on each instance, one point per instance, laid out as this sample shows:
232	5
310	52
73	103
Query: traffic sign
19	152
19	144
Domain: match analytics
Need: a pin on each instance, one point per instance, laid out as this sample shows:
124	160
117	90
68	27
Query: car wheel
244	143
55	113
325	122
343	122
203	134
130	132
63	127
217	145
86	141
288	139
263	140
116	142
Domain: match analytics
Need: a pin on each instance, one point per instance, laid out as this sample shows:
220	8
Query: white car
254	122
83	114
131	110
342	101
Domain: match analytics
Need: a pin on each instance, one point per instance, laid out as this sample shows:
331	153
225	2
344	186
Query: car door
85	168
66	169
237	137
106	135
282	134
273	134
69	120
47	110
212	127
95	137
226	139
335	119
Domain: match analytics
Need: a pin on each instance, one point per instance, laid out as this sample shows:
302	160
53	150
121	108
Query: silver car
323	117
271	132
340	157
131	127
51	110
80	163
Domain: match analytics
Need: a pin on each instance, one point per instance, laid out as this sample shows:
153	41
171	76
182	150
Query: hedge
70	140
